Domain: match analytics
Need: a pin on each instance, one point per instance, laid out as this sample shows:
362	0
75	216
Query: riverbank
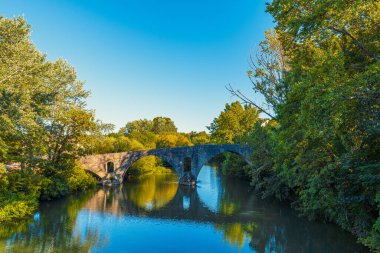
22	191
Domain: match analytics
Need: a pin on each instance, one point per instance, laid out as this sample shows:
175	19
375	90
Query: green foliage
42	105
158	125
19	195
322	153
163	125
139	126
54	187
114	143
172	140
233	165
15	206
233	124
319	72
147	139
264	176
148	165
79	179
200	138
26	183
44	123
373	239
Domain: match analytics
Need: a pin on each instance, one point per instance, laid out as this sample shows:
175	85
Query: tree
140	126
24	94
199	138
163	125
352	22
172	140
233	124
267	74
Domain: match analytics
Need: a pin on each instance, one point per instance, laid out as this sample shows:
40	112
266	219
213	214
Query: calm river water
157	215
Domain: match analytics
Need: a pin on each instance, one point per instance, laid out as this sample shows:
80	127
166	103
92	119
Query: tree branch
246	100
357	42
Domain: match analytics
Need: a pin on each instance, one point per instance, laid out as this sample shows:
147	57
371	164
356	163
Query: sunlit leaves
233	124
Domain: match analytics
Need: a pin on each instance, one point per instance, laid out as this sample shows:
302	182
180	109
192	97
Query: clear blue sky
147	58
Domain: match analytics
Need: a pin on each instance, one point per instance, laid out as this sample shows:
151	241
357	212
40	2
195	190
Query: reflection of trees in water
153	192
231	199
235	233
233	195
53	229
242	218
274	227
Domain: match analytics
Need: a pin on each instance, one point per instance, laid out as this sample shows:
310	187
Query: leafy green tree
147	139
139	126
43	104
172	140
199	138
233	124
163	125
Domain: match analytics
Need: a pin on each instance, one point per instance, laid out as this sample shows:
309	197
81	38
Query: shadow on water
220	214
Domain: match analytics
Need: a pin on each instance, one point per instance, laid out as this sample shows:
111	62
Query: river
155	214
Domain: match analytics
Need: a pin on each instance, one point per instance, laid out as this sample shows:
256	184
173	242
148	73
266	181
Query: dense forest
319	148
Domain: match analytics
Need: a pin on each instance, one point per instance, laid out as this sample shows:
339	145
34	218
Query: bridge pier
187	179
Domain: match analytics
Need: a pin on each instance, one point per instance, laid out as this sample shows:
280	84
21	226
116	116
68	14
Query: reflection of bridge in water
186	205
239	214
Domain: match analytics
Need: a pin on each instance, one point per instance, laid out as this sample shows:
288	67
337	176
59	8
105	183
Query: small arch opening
110	167
187	164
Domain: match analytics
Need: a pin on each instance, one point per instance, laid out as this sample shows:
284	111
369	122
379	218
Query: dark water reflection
157	215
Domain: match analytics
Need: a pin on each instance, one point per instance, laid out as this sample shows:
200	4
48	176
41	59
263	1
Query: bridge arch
208	155
245	159
165	163
127	163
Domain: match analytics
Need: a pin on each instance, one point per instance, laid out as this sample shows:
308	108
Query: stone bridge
186	161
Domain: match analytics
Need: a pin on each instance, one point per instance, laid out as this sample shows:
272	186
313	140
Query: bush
54	187
79	179
147	165
15	206
234	165
24	183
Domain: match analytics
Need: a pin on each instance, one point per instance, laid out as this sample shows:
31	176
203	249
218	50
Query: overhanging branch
246	100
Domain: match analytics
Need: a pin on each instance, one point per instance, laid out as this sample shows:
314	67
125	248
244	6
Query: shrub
79	179
15	206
